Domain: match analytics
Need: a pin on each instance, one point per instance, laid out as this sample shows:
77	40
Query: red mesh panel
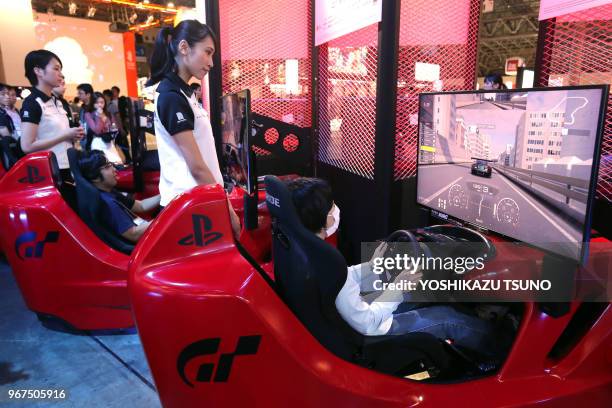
257	38
291	142
261	152
440	32
347	101
577	51
271	136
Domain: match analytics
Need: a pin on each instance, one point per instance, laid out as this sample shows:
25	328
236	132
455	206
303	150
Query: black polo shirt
49	114
173	109
31	111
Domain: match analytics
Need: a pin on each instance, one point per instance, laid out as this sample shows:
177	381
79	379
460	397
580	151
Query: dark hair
92	101
91	163
194	86
87	88
7	88
166	46
313	199
38	59
495	78
116	88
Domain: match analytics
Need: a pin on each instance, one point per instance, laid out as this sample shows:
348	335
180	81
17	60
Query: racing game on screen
517	162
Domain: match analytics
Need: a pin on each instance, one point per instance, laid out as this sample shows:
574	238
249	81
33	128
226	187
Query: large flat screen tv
237	157
522	163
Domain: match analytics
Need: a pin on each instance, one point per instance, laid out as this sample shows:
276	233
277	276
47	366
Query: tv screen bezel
586	233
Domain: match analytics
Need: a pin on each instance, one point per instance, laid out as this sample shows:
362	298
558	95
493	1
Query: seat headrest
55	171
280	203
74	156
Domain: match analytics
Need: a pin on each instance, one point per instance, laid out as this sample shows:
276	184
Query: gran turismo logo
26	245
202	234
247	345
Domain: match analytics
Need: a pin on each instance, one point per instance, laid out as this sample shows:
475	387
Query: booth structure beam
215	84
542	64
386	101
314	93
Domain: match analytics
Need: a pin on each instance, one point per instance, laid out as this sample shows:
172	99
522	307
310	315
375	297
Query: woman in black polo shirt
185	142
45	124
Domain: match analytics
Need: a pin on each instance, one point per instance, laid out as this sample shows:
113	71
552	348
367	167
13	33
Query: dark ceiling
104	11
510	30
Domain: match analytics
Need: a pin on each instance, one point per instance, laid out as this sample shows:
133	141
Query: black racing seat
90	207
8	152
66	188
309	273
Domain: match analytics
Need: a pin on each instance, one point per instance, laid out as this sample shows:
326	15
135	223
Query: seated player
316	209
118	209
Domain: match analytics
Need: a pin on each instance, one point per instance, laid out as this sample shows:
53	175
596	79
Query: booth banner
131	71
335	18
555	8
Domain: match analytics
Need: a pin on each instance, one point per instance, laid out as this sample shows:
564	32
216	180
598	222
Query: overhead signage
335	18
512	65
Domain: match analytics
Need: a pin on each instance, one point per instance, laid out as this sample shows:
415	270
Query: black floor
93	370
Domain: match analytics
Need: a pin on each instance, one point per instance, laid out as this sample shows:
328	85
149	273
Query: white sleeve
367	319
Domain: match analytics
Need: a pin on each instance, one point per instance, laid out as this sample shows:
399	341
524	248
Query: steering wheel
398	242
482	245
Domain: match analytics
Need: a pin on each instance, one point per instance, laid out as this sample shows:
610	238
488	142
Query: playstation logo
32	177
202	234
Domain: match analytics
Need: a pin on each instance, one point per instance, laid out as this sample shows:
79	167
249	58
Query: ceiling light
133	18
72	8
91	11
146	1
170	4
149	19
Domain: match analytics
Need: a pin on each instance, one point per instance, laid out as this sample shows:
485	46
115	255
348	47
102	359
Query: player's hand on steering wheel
379	252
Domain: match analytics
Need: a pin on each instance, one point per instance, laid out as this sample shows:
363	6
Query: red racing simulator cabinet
87	289
216	333
61	267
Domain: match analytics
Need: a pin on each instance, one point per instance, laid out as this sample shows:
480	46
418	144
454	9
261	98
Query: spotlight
170	5
146	1
72	8
91	11
133	18
150	19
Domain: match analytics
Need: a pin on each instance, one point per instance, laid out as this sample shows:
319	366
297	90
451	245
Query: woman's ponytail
162	59
166	45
